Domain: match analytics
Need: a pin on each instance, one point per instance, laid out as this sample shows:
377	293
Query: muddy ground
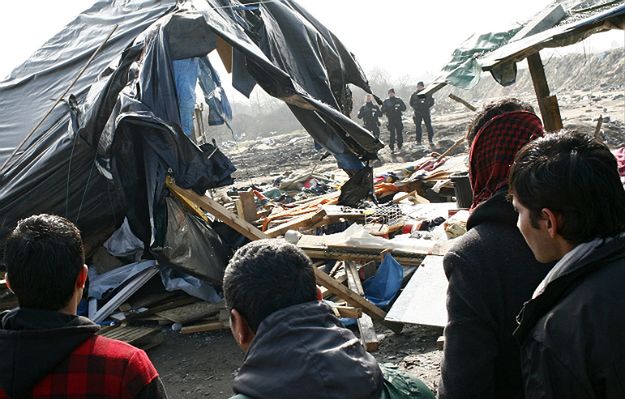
202	365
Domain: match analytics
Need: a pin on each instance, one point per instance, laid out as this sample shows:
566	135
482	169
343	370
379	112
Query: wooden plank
296	224
424	299
219	211
368	336
225	53
353	299
205	327
350	312
192	312
246	206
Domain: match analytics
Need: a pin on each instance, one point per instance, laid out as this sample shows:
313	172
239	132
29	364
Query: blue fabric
382	288
219	109
185	75
348	162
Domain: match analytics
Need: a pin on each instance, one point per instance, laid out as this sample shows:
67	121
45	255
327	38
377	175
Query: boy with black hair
571	210
295	347
48	351
491	271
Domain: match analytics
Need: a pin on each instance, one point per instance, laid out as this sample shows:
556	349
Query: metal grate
389	215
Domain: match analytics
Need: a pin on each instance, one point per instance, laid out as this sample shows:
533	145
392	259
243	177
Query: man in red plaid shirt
48	351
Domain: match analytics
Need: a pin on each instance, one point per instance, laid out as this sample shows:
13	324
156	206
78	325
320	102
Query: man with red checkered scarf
491	270
48	351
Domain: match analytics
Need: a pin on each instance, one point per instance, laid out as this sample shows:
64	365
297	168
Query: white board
423	300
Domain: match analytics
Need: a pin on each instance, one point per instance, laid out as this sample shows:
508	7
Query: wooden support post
547	103
368	336
216	209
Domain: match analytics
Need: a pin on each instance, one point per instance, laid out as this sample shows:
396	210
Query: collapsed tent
102	154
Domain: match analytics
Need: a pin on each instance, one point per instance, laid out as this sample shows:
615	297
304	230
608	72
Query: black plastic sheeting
104	152
190	242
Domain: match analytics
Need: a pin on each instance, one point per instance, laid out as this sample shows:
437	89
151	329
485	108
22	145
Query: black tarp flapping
104	151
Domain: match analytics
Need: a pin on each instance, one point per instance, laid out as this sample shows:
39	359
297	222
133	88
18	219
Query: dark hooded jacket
393	107
302	352
573	331
37	345
491	273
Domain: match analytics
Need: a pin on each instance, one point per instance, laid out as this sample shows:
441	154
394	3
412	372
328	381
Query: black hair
266	276
490	110
576	177
43	257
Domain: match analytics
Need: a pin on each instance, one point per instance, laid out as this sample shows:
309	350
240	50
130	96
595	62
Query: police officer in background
393	107
421	105
370	113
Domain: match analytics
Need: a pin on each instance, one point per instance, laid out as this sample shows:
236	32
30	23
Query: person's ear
6	280
241	330
319	294
81	279
550	220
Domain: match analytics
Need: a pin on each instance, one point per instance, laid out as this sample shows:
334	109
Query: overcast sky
403	37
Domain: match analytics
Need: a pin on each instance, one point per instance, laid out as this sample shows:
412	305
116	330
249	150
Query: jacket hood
303	352
496	209
33	342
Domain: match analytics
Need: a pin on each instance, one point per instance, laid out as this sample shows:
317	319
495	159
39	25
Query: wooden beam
219	211
296	224
205	327
462	101
354	299
548	104
368	336
598	129
192	312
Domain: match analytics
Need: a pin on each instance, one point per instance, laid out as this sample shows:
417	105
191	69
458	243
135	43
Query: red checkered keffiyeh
494	148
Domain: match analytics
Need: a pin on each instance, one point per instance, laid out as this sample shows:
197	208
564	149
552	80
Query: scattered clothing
491	273
572	331
370	114
393	107
421	105
50	354
494	148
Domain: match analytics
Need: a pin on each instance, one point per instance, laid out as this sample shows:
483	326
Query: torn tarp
104	152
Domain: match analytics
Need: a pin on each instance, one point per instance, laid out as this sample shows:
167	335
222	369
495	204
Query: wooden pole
547	103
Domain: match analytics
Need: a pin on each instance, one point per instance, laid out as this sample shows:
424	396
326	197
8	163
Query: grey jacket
491	273
302	352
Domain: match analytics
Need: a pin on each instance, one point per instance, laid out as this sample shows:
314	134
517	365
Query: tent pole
547	103
19	146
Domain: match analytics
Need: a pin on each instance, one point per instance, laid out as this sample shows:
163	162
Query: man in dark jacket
48	351
421	105
491	271
295	347
571	205
370	113
393	107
